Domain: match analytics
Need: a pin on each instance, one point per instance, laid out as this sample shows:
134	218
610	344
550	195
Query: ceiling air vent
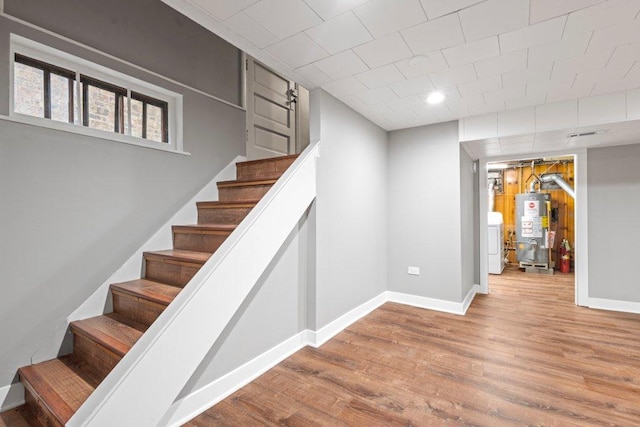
581	134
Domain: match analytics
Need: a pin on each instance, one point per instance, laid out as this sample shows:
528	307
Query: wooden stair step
110	332
271	168
230	212
54	390
201	237
174	266
142	300
244	190
16	417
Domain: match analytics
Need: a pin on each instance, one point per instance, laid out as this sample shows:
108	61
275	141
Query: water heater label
531	208
531	226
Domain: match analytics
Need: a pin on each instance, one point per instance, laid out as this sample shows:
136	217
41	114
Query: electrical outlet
414	271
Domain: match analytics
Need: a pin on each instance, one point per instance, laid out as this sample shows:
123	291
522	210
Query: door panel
271	114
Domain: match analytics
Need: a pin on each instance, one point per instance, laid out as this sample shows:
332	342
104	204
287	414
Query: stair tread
267	160
229	204
180	255
205	227
60	388
245	183
160	293
110	332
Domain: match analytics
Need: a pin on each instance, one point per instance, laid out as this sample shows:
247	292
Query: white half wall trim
11	396
433	303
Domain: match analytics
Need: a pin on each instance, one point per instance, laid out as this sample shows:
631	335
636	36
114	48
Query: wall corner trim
614	305
11	396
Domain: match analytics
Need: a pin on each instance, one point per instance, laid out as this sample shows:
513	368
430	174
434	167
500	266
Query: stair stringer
142	387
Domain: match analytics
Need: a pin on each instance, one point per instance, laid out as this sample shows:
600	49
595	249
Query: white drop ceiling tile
344	87
510	92
434	35
342	65
472	52
541	10
383	51
412	101
453	76
611	107
223	9
494	107
251	30
432	62
612	78
515	140
592	60
502	64
570	45
328	9
438	8
633	104
525	101
340	33
532	35
297	50
284	18
528	75
481	86
608	86
563	94
602	15
557	115
464	103
382	76
624	33
413	86
314	74
374	96
493	17
541	87
625	53
513	122
382	17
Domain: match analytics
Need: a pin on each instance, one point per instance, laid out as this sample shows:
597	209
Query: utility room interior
531	221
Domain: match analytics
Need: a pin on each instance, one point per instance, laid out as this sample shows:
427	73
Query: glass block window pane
28	90
101	106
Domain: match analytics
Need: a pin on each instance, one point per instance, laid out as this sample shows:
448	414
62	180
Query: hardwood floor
523	355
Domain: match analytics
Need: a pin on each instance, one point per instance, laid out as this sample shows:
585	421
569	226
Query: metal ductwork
557	178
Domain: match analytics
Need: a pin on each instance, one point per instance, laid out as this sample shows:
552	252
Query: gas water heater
532	229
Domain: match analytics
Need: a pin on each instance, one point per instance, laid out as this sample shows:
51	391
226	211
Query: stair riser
176	274
40	416
263	170
198	242
231	216
98	357
136	309
253	192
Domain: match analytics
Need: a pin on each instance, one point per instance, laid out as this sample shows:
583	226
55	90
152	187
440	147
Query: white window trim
56	57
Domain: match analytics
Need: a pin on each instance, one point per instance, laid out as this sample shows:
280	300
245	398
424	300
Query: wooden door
271	113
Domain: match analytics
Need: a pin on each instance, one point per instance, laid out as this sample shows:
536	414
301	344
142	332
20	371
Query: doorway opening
531	222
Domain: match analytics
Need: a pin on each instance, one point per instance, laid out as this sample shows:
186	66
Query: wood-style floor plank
523	355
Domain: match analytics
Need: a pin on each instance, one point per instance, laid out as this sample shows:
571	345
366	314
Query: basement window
54	89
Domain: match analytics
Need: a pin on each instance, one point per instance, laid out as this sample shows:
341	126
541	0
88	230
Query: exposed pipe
557	178
532	186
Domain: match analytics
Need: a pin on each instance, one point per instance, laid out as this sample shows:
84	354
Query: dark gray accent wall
74	208
147	33
614	202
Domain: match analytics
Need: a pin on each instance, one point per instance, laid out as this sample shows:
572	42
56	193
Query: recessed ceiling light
435	98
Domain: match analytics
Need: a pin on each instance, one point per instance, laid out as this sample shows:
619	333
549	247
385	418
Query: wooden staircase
55	389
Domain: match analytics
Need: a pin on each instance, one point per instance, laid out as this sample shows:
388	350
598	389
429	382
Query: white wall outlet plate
414	271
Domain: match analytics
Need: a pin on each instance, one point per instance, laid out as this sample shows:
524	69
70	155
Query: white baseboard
614	305
433	303
317	338
11	396
199	401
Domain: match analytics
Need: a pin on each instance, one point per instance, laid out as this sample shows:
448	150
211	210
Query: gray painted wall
351	213
469	232
613	203
74	208
424	214
147	33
